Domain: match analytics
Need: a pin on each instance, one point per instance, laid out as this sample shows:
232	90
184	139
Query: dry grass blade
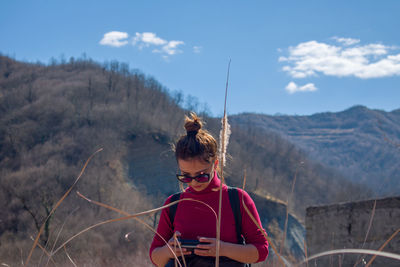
263	232
354	251
59	232
305	251
331	248
44	251
58	204
383	246
46	246
148	211
224	137
69	257
218	227
370	223
366	235
244	179
176	242
287	210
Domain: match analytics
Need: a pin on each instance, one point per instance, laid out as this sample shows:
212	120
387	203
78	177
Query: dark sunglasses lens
186	179
183	178
202	178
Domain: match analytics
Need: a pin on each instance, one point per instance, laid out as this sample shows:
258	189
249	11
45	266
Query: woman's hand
243	253
175	245
162	255
210	249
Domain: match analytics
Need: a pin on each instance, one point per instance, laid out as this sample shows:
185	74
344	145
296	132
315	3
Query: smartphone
190	244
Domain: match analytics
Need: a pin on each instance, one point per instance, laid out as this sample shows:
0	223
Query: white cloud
147	39
346	41
166	48
171	48
115	39
292	88
197	49
362	61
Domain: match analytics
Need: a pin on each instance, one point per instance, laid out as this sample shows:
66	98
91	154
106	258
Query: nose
194	182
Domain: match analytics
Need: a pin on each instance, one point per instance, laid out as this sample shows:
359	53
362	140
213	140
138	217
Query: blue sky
289	57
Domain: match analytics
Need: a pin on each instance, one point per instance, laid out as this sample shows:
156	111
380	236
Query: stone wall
346	225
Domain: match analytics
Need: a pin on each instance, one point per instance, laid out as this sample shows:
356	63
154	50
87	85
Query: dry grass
367	233
383	246
58	204
352	251
287	209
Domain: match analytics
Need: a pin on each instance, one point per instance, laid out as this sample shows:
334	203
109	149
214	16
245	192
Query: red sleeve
251	232
164	228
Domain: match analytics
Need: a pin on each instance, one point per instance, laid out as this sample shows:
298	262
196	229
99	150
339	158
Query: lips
197	187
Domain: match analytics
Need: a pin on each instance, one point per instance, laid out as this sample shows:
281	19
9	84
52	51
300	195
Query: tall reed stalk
224	139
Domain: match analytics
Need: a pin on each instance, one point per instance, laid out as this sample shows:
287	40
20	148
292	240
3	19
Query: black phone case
190	243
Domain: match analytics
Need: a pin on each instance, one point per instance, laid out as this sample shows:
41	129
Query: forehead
193	165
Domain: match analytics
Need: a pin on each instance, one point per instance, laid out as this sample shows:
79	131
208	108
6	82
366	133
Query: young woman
196	154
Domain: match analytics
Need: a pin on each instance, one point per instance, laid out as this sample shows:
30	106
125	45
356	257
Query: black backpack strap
235	204
172	209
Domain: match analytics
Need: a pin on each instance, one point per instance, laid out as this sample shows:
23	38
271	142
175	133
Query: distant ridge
362	143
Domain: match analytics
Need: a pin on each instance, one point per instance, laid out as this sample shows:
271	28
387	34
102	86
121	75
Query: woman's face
194	167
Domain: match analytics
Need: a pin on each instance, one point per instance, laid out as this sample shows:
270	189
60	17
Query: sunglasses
201	178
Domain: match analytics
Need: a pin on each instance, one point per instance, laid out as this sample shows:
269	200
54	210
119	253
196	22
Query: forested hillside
361	143
53	117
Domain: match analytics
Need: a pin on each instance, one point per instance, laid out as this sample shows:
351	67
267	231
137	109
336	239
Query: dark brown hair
196	143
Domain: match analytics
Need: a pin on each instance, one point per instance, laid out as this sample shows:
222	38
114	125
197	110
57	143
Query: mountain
363	144
52	118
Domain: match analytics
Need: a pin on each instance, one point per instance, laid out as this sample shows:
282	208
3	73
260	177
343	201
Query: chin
198	188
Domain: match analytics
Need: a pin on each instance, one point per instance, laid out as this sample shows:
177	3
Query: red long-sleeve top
194	219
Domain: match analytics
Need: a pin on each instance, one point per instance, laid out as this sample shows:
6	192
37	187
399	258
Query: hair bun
193	124
197	143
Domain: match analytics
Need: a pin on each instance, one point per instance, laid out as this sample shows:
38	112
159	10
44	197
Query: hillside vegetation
53	117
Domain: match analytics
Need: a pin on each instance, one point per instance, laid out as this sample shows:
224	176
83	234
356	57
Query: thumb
177	233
